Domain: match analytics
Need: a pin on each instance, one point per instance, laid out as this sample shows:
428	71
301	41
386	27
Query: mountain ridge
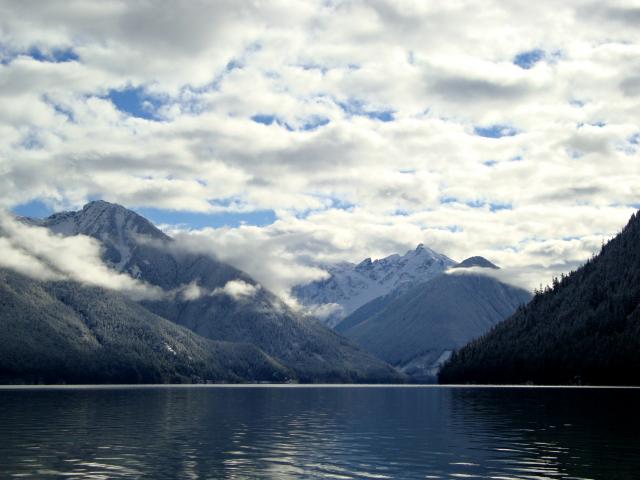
476	261
583	329
418	329
351	286
209	307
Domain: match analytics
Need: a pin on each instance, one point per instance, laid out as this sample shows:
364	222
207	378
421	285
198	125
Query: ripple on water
342	433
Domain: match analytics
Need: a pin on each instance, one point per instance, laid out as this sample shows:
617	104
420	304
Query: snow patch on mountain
349	286
117	228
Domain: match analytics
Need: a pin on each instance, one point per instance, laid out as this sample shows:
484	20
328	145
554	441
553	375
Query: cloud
42	255
530	245
524	278
353	186
191	291
237	289
325	310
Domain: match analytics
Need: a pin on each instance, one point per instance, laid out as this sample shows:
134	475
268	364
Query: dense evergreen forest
62	332
583	329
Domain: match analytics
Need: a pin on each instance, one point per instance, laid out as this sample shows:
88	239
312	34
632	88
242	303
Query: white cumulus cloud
237	289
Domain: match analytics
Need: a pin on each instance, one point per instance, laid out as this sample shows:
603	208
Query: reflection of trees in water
582	433
283	433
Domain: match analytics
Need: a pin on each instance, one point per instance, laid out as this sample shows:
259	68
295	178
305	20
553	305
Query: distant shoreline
134	386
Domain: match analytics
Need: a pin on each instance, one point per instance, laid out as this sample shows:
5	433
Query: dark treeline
583	329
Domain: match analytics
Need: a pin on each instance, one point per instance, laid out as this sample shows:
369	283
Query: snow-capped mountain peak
118	228
352	285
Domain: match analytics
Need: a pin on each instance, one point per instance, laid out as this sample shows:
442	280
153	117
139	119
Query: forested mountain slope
62	332
585	328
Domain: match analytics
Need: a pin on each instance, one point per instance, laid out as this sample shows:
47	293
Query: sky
281	136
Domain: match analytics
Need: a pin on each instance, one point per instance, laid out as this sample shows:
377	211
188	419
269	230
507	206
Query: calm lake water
319	432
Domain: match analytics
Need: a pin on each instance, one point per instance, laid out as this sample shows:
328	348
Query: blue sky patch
341	204
334	203
59	108
315	122
477	203
495	207
234	65
196	220
270	120
490	163
312	123
5	55
400	213
62	110
31	140
315	66
136	102
528	59
357	107
260	218
56	55
495	131
264	119
597	123
382	115
34	208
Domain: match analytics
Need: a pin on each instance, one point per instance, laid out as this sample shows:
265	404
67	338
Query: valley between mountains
195	319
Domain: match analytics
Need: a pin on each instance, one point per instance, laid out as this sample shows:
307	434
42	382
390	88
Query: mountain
351	286
381	303
118	229
217	301
62	332
585	328
417	330
476	262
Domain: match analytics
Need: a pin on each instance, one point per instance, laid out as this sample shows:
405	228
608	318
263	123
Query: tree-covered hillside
61	332
585	328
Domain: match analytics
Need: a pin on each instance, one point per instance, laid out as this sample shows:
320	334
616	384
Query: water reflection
198	433
556	433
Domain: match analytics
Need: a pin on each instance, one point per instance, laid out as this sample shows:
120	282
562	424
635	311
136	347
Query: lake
319	432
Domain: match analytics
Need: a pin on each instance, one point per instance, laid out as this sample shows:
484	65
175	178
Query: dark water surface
319	432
